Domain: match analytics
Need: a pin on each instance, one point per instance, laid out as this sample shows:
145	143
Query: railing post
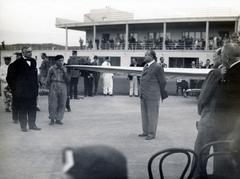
126	38
66	46
207	35
164	35
94	37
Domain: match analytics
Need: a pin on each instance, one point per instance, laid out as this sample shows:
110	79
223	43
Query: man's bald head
230	53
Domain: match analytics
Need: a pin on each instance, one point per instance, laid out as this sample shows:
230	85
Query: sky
33	21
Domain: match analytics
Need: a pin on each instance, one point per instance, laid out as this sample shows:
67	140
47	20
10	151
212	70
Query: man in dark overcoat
22	78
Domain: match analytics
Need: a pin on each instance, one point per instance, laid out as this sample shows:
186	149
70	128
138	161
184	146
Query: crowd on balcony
185	43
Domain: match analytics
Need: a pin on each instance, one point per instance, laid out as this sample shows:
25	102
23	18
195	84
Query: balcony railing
121	46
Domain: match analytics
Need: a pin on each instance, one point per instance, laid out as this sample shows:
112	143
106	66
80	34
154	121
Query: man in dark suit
88	80
152	88
226	114
96	75
23	82
74	74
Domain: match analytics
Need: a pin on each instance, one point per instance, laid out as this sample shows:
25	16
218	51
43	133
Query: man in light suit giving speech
152	88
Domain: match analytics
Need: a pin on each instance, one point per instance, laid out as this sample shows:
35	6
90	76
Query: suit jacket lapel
149	69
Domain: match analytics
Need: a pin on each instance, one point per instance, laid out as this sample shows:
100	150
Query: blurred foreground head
94	162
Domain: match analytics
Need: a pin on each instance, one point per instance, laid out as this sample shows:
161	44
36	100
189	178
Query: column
207	35
237	25
126	38
66	46
164	35
94	37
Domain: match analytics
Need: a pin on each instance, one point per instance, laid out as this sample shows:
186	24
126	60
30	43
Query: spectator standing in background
96	75
107	79
74	74
5	90
133	80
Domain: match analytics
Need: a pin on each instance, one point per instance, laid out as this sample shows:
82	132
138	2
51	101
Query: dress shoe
142	135
59	122
24	129
35	128
51	122
69	109
149	137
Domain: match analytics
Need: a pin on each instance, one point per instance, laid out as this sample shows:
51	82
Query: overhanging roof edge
139	21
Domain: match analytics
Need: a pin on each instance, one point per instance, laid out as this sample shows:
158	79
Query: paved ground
113	121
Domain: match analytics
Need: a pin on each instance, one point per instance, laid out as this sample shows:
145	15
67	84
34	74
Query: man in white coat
107	79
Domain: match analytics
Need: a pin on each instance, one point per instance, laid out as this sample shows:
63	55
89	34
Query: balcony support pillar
66	44
94	37
164	35
126	37
207	35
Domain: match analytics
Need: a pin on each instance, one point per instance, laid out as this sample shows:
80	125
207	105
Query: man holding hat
57	80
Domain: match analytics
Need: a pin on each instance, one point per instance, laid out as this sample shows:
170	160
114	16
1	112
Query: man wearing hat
74	74
57	80
23	81
5	91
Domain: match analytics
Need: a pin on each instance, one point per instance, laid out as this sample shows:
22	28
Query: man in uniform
23	81
152	88
57	80
5	90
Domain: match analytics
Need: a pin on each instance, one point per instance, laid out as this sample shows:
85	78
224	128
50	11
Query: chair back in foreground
190	165
223	163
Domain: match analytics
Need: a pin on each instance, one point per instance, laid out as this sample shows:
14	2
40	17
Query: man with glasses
23	82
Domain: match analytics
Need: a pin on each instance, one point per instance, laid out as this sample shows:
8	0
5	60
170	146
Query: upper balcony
206	33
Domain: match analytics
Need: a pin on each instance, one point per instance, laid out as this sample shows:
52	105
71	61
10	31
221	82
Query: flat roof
63	23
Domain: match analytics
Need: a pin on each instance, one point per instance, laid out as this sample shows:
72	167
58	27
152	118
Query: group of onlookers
21	82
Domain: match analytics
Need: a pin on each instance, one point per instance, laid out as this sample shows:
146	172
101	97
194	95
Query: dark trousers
74	87
96	79
68	103
88	86
149	112
27	111
15	112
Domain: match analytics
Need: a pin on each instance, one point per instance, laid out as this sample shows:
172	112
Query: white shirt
28	62
150	63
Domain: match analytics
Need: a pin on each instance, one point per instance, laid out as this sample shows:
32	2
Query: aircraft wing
170	73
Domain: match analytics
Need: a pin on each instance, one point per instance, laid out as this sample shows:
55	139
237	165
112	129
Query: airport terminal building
180	41
117	35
